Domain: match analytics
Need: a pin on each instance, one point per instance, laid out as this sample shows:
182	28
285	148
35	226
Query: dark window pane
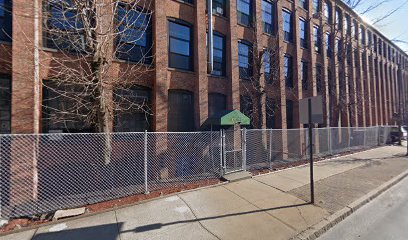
316	6
244	60
5	105
271	113
64	27
180	112
303	4
180	46
134	40
62	114
136	113
219	55
304	74
289	114
287	25
267	17
5	20
303	33
319	76
244	9
288	71
216	103
219	7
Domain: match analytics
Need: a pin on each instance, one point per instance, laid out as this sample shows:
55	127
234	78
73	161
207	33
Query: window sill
186	3
269	34
217	76
46	49
180	70
148	65
221	16
6	42
243	25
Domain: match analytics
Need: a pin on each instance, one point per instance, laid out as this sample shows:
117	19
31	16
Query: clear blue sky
395	26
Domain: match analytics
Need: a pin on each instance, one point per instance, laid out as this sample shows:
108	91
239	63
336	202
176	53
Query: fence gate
234	150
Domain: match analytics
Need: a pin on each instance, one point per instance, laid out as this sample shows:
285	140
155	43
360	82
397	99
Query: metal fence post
243	142
270	149
330	140
145	163
224	154
221	153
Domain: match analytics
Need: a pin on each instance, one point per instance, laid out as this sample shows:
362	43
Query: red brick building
311	38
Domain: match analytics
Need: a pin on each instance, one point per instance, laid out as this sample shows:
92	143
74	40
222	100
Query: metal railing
45	172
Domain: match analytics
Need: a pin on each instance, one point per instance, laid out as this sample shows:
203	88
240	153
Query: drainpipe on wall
36	113
210	38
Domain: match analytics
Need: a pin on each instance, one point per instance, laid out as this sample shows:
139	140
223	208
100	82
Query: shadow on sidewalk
156	226
101	232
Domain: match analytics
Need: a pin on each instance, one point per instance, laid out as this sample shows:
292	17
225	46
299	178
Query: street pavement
271	206
386	217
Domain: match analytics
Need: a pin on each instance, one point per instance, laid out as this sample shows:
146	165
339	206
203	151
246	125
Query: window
288	70
328	45
331	83
304	75
247	107
267	17
188	1
303	33
339	49
137	116
57	110
362	36
216	103
180	46
267	67
375	45
5	20
327	10
347	24
219	7
181	111
244	60
303	4
135	37
271	113
289	114
64	27
317	39
316	6
219	55
319	76
5	105
369	39
339	20
287	25
356	31
244	9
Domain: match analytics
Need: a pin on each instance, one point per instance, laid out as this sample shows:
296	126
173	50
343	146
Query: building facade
267	56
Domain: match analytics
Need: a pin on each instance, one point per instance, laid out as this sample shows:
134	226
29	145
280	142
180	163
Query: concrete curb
323	226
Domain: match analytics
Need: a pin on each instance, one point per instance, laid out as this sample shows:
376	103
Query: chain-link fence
46	172
270	148
41	173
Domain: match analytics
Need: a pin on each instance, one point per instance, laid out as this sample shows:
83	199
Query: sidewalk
272	206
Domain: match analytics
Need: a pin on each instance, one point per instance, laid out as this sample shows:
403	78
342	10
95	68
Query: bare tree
90	37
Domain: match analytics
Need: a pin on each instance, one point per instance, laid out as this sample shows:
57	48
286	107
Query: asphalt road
385	218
